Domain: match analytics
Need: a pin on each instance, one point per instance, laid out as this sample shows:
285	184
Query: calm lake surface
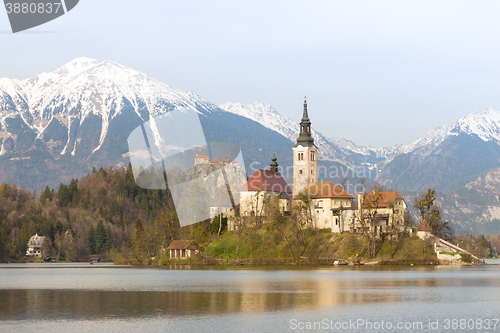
55	297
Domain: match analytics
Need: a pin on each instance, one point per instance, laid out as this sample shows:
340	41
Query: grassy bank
268	247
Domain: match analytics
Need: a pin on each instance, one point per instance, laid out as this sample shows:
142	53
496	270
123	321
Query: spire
274	164
305	138
305	116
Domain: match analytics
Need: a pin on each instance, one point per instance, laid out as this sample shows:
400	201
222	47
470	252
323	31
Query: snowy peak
76	65
94	87
84	87
484	124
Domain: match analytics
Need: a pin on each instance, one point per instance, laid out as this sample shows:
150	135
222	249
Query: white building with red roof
201	159
35	244
331	206
263	191
388	208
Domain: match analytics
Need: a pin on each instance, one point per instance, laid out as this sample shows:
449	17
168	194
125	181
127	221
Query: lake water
55	297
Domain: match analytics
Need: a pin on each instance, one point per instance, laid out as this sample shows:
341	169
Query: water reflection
108	292
46	304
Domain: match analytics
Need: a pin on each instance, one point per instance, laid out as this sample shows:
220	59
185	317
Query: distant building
388	208
201	159
424	231
221	161
35	246
331	206
182	249
216	162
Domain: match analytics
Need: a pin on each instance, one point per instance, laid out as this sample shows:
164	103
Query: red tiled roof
382	199
205	157
424	226
266	180
218	160
327	190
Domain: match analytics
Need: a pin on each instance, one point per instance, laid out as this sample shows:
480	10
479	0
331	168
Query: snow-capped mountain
87	107
57	126
448	157
485	124
83	88
445	158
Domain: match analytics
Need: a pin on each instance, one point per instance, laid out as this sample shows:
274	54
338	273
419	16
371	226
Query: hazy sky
375	72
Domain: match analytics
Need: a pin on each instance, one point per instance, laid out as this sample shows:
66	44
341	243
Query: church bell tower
305	161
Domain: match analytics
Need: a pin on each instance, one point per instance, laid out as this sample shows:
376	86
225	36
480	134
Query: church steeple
305	138
274	165
305	161
305	116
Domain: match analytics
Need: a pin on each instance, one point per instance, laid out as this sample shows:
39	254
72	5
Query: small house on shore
35	246
182	249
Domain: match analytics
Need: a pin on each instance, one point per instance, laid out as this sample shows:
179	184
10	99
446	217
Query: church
266	189
329	203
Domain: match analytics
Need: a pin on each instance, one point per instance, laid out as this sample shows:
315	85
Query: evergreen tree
100	236
63	195
108	239
86	203
73	191
45	195
91	238
4	230
101	193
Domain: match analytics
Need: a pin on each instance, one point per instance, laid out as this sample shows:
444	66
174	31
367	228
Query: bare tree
368	211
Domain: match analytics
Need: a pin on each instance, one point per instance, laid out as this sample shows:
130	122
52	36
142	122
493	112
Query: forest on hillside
104	212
